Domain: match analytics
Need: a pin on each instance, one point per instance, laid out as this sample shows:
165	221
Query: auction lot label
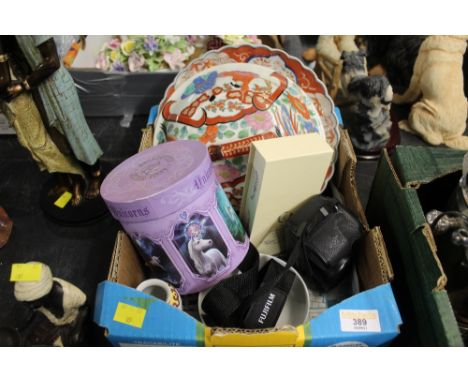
360	321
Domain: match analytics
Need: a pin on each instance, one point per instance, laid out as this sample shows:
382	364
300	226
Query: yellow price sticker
26	272
63	200
130	315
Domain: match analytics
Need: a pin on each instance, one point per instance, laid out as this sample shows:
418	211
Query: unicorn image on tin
205	247
208	260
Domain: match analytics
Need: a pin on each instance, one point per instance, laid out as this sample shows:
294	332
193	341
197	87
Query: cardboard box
282	173
369	318
406	186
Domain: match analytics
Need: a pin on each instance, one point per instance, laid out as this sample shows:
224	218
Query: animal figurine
346	43
329	60
59	309
439	115
393	57
368	118
329	63
207	260
354	65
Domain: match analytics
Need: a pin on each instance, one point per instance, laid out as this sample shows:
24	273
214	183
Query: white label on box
360	321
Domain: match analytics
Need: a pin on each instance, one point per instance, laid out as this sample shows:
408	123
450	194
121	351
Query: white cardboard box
282	173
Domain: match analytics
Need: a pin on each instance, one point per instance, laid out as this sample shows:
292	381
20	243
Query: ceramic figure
440	110
393	57
59	308
354	65
368	117
24	116
366	104
47	113
329	60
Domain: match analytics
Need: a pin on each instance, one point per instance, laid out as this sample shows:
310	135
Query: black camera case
323	231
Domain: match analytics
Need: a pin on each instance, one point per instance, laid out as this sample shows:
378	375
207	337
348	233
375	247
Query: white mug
162	291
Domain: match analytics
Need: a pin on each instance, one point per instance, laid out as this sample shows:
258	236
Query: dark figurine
395	55
59	311
366	107
368	117
354	65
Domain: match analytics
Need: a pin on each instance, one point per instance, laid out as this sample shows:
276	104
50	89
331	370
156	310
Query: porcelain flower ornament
159	52
145	53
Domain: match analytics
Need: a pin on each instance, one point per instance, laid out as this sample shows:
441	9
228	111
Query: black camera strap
239	299
223	303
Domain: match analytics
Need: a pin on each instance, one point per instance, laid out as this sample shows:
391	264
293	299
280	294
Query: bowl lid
169	175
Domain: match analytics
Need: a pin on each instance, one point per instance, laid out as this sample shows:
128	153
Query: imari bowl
280	62
229	106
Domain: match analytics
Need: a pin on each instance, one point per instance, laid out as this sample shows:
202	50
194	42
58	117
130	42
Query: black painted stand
87	212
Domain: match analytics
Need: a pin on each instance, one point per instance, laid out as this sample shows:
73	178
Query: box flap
284	336
396	208
419	164
162	323
445	328
146	139
125	269
370	318
374	257
345	177
411	248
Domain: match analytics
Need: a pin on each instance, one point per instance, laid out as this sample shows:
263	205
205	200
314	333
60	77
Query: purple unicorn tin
168	200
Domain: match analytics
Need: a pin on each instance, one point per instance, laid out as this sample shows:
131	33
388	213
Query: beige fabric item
73	300
34	290
439	115
24	117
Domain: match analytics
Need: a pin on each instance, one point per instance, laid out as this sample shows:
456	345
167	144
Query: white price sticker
360	321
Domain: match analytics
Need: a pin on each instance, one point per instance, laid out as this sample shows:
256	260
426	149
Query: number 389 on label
359	321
